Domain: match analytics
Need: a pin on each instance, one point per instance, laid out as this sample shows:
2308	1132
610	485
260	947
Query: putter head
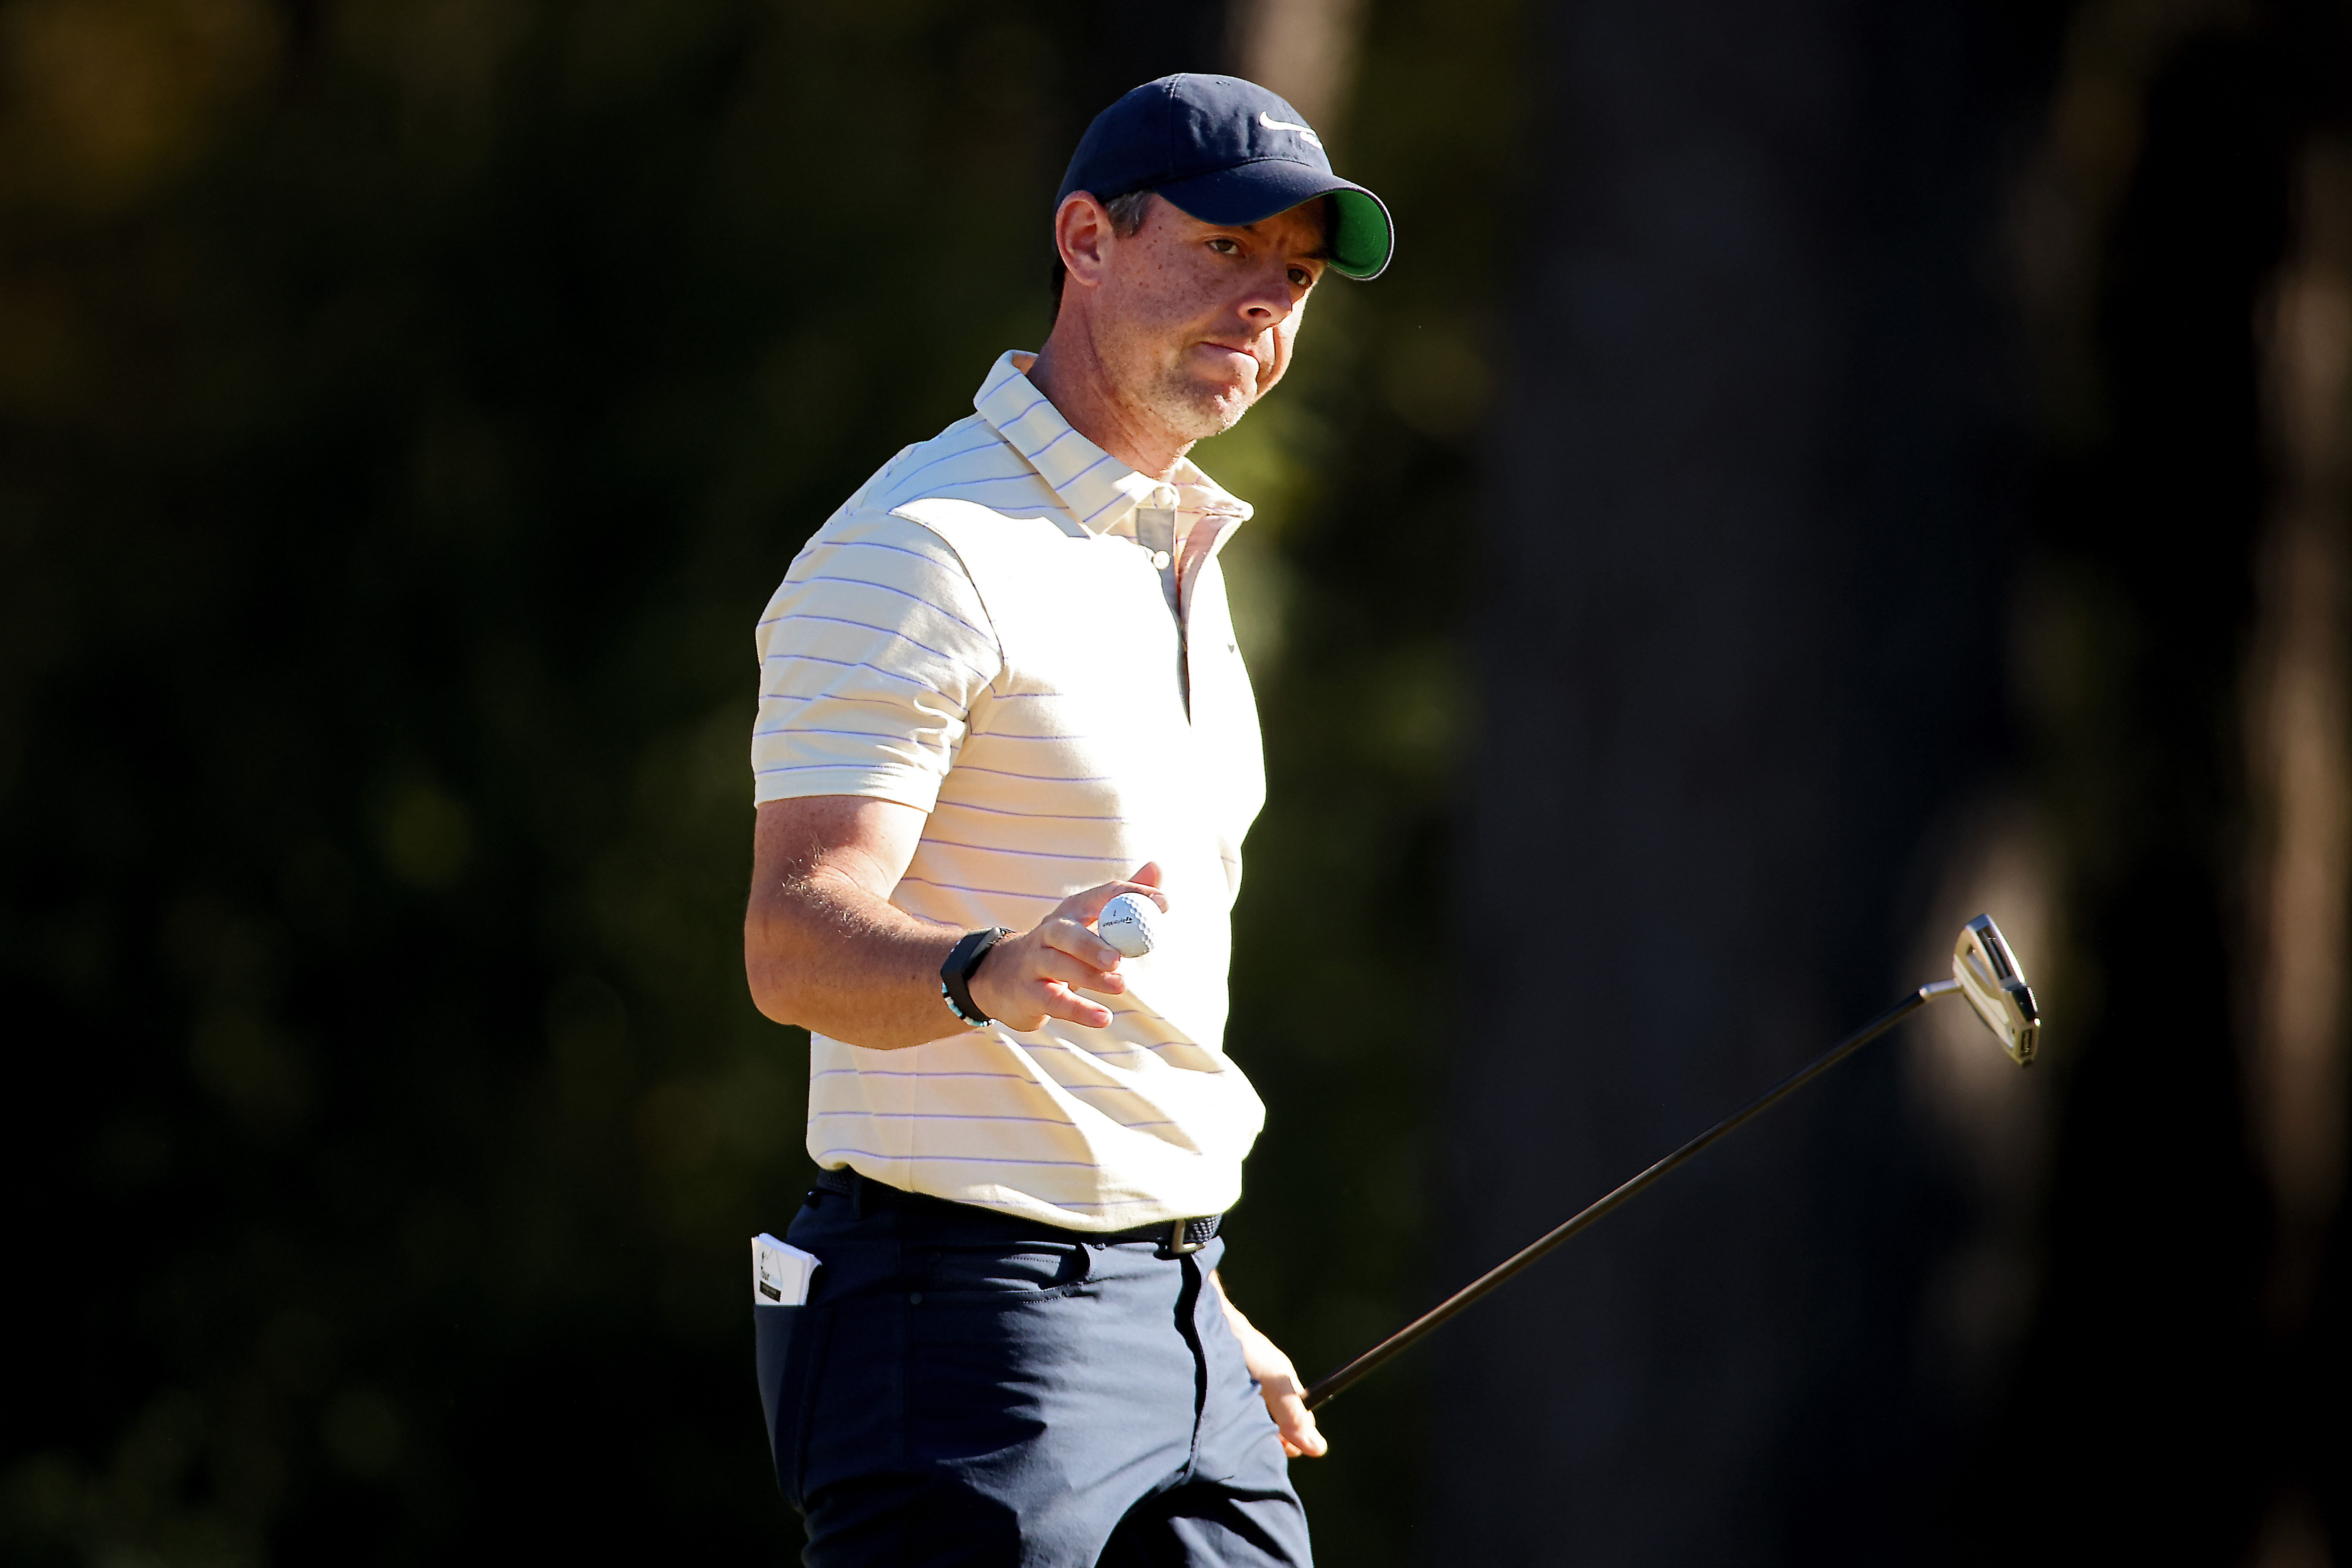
1995	986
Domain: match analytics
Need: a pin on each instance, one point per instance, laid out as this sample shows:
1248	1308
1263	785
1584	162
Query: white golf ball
1127	923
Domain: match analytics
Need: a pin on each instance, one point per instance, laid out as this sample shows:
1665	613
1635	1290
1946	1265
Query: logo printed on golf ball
1127	924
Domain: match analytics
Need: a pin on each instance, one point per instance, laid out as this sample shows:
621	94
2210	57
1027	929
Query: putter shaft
1341	1380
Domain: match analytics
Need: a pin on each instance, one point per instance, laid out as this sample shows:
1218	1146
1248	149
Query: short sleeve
871	656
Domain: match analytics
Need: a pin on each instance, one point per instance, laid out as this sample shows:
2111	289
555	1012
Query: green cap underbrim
1362	240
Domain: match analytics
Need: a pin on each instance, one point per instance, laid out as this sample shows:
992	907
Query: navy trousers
964	1390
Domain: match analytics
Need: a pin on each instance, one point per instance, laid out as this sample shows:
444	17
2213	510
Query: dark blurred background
1814	471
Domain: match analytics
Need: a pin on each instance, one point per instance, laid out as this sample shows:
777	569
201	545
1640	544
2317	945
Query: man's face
1196	320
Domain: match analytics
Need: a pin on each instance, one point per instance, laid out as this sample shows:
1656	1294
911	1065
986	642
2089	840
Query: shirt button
1160	561
915	1299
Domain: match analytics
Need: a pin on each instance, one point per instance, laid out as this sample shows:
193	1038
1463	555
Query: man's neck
1073	378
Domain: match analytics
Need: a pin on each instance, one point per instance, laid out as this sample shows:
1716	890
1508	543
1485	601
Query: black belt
1176	1239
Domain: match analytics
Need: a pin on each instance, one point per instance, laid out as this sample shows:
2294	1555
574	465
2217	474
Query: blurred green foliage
405	410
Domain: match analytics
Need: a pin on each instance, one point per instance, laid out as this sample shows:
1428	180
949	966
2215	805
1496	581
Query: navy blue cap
1229	151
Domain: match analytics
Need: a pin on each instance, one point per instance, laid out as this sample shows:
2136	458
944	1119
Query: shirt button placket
1155	531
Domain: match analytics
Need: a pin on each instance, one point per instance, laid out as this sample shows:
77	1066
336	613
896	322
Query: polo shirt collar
1099	490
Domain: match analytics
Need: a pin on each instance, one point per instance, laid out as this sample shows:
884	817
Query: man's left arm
1277	1383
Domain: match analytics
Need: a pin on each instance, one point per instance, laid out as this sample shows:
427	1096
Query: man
998	688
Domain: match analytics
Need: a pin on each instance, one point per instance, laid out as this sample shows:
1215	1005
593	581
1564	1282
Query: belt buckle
1179	1243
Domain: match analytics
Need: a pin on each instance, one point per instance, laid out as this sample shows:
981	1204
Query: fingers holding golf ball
1039	974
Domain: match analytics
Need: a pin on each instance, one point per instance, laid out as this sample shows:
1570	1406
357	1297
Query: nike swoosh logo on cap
1271	123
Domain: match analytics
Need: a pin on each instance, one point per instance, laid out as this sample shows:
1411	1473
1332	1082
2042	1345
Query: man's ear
1082	233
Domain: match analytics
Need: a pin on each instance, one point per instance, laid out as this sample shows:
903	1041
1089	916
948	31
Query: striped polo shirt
1012	631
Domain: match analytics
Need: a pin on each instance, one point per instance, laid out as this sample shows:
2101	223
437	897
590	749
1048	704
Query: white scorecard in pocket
780	1272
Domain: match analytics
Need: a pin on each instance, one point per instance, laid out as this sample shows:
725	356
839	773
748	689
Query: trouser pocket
785	1349
1003	1271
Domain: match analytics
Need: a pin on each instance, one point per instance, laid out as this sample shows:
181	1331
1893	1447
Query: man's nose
1268	300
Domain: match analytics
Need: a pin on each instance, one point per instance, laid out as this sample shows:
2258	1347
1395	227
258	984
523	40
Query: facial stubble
1192	410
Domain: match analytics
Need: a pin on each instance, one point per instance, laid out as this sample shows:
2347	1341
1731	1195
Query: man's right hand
1038	974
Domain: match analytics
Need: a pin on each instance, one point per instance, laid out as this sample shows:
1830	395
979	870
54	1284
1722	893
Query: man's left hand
1277	1384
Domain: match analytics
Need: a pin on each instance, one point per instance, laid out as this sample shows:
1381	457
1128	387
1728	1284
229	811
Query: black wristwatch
963	961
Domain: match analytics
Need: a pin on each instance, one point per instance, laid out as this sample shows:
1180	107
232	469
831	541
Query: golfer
999	688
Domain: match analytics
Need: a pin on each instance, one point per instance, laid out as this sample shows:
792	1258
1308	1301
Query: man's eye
1302	279
1222	246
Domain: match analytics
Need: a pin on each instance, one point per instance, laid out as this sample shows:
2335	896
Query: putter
1984	971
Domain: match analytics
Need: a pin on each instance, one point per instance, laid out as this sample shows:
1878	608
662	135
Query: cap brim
1364	238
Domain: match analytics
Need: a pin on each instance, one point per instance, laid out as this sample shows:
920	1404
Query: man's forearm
825	947
832	958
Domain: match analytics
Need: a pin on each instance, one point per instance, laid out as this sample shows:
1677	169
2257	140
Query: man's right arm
825	949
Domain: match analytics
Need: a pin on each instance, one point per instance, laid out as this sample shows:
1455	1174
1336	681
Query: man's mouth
1240	358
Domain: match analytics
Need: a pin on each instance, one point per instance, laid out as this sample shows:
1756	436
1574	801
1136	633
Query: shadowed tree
1741	652
1780	578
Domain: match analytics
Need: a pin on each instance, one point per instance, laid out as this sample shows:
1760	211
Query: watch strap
956	972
